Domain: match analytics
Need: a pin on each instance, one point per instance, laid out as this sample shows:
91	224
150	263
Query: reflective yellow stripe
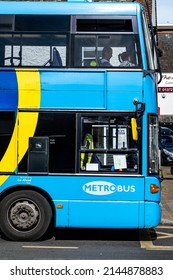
28	97
88	139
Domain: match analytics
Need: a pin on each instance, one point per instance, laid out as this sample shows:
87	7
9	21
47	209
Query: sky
164	11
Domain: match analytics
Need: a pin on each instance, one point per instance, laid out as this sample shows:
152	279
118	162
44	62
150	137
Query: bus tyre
25	215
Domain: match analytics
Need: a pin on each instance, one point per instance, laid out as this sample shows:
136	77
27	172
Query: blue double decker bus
78	118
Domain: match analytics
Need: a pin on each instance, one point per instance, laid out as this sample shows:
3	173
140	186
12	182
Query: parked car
166	130
166	147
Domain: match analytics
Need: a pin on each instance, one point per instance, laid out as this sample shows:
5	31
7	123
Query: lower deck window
107	145
71	142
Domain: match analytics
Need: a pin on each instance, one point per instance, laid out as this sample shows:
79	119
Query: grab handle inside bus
134	129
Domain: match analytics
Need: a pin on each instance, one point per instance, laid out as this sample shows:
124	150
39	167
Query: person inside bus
125	60
106	56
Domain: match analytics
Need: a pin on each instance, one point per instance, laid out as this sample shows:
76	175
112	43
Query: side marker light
154	188
59	206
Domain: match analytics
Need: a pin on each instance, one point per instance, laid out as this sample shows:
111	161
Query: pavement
167	196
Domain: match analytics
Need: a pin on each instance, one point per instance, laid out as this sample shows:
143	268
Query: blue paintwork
73	186
65	90
71	8
71	90
108	214
122	90
8	90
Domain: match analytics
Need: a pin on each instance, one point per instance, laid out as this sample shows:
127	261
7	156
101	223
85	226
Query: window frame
74	19
111	151
153	145
69	63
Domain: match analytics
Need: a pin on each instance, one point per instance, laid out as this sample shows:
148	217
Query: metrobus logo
106	188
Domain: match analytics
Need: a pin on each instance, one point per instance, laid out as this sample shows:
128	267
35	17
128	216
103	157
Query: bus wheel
25	215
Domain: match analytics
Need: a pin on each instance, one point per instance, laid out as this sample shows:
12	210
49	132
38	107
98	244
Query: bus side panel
108	214
123	88
150	94
152	214
67	90
93	188
8	90
152	204
100	214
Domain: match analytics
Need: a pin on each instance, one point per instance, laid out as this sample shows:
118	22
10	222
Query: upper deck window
95	36
7	22
104	25
69	41
43	23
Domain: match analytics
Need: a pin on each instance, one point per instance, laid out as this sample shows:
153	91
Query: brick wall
165	39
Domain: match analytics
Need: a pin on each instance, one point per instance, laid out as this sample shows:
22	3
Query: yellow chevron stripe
28	97
29	88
